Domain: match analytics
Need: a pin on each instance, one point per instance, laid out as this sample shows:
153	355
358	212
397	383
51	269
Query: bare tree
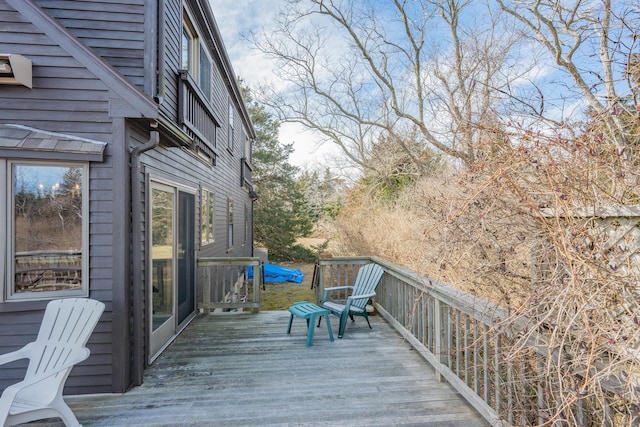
592	43
358	70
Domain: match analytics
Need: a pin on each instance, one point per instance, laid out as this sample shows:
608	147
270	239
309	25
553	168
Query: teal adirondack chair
362	290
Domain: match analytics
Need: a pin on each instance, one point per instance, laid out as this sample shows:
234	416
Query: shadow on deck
244	370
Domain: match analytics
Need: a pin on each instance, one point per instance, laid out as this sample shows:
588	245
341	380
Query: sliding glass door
172	262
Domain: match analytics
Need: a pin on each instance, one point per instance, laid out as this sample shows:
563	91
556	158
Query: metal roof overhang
17	141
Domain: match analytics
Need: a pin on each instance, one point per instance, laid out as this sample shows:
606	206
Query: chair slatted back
366	282
70	320
64	332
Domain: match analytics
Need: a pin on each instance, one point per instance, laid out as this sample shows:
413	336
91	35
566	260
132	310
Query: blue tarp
276	273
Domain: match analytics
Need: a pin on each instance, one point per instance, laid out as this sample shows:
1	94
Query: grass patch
280	296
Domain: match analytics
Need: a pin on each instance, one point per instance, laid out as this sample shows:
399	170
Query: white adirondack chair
64	332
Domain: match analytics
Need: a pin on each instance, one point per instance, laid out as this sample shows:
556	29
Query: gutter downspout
139	323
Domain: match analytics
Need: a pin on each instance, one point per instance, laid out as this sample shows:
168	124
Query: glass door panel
162	266
186	255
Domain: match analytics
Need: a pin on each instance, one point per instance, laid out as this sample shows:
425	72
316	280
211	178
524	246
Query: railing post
320	284
206	292
257	280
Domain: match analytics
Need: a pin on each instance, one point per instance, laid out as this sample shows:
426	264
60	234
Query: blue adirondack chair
362	290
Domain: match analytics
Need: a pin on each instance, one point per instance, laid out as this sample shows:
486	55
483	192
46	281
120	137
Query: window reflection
162	254
47	227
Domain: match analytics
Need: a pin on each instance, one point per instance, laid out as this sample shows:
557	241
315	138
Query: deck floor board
244	370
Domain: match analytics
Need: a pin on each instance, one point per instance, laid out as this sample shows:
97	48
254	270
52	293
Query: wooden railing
229	284
467	341
246	173
195	115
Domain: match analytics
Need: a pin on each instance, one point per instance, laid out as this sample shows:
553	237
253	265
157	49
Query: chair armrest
325	297
13	389
363	296
352	298
23	353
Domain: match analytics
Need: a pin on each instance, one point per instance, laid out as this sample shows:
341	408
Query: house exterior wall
66	98
69	98
115	30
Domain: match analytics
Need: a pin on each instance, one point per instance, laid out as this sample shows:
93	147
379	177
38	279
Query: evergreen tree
281	213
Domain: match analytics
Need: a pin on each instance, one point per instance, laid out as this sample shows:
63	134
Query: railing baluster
449	337
458	344
438	332
476	358
497	383
510	380
206	291
540	392
467	366
486	357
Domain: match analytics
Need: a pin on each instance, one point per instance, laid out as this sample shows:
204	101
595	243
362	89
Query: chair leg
367	317
290	321
319	320
66	413
343	324
310	330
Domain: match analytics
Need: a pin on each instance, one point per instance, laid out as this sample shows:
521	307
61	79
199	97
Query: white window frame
190	60
7	229
196	46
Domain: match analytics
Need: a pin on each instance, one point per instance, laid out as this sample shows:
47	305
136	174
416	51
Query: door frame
161	338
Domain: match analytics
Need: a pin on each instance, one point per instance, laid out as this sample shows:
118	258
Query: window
247	149
195	58
187	48
47	229
207	206
230	135
204	75
229	223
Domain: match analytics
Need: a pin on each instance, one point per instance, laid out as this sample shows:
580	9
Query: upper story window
188	40
195	57
247	149
232	113
47	228
204	72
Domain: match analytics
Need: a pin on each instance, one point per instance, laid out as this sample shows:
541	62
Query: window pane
207	209
204	76
230	133
204	216
210	221
186	49
162	255
47	228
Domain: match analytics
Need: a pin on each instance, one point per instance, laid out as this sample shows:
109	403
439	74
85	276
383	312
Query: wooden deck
244	370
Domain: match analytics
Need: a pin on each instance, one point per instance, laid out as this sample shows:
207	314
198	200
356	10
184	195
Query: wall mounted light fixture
15	70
